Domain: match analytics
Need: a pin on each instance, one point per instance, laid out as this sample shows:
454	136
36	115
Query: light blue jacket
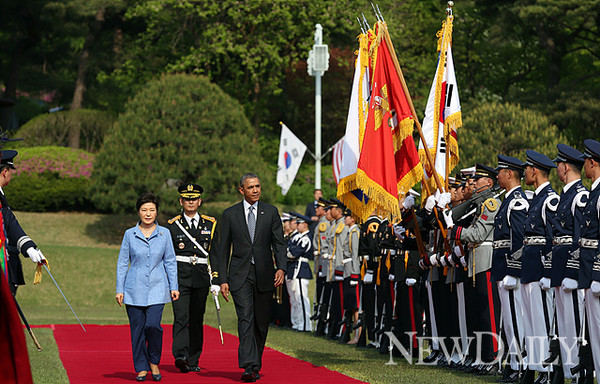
146	268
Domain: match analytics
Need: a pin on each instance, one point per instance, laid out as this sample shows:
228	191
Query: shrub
178	129
51	179
53	129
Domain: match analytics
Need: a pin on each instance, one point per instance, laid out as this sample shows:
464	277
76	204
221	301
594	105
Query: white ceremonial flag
291	152
337	159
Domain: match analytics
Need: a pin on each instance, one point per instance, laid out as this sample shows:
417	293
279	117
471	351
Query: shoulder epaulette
209	218
323	227
171	221
373	227
580	188
491	204
340	228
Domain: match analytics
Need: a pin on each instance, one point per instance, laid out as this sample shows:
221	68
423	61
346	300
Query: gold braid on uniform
37	278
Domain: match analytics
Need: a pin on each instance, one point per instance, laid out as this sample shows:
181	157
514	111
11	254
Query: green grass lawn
82	251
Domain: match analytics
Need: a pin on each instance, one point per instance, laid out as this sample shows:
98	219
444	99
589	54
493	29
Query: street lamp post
318	63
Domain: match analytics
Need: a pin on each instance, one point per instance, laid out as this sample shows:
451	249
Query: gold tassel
37	278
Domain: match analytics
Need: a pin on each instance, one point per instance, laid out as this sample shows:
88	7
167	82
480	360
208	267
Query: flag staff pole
449	17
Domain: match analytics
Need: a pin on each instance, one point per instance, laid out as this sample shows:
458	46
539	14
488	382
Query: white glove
321	274
368	277
450	260
448	218
391	277
430	203
338	278
595	287
215	289
545	283
443	261
463	261
399	231
444	200
353	283
458	251
433	260
35	255
408	202
569	285
510	282
410	281
422	264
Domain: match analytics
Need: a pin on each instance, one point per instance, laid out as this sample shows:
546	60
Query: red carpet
103	355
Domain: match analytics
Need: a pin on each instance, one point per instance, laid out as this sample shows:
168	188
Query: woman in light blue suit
146	280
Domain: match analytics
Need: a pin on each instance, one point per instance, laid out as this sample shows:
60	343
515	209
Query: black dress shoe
256	375
432	357
195	368
182	364
543	378
248	376
528	377
141	378
157	377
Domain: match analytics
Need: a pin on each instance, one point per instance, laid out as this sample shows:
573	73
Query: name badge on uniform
181	245
205	232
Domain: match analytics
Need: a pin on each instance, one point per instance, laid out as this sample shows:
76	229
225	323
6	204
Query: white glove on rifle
408	202
391	277
463	261
443	261
422	264
569	285
399	231
215	289
353	283
595	287
458	251
545	283
510	282
410	281
433	260
35	255
448	218
444	200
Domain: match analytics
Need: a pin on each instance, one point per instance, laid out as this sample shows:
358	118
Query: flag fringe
410	179
386	201
404	129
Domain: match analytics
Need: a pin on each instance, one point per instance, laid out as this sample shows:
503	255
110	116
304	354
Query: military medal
181	245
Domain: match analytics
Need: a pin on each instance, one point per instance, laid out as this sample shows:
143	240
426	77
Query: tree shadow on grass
109	229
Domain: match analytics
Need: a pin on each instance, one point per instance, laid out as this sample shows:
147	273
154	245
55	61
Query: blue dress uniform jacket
300	248
146	268
567	225
589	252
508	235
189	274
17	242
538	233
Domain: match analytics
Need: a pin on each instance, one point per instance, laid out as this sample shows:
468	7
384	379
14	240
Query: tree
176	130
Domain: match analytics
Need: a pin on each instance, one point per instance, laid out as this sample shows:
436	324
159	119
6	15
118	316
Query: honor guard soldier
336	237
351	287
322	249
192	235
280	308
369	251
300	252
479	234
17	240
506	257
561	268
537	304
589	260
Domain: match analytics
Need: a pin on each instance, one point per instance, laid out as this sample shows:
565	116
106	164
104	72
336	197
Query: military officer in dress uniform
16	239
322	250
506	257
299	274
192	235
561	268
351	286
537	304
479	235
337	236
589	258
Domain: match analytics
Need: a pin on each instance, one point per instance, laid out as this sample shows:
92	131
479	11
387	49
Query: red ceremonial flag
389	161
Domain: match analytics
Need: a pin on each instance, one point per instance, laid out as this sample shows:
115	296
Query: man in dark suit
249	238
311	211
190	231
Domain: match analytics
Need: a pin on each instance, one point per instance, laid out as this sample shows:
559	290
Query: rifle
469	207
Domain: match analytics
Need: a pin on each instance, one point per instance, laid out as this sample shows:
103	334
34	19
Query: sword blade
218	308
64	297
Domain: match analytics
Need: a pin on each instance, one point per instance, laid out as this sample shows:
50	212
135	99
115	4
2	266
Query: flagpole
412	109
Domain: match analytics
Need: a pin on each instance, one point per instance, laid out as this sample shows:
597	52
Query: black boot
558	376
543	378
554	349
345	337
528	377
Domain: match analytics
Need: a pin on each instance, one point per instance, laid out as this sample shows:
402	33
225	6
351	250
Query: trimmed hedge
51	179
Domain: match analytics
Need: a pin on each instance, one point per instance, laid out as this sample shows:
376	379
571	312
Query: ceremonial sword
37	345
63	295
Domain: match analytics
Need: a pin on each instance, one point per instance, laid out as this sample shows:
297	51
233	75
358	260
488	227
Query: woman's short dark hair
146	197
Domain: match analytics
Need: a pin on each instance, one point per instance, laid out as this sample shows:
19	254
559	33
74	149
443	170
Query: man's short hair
247	176
147	197
572	166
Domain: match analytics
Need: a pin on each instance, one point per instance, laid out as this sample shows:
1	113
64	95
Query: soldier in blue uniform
537	304
300	252
17	240
589	257
506	262
192	235
560	268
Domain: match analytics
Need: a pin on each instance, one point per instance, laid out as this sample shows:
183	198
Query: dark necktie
193	223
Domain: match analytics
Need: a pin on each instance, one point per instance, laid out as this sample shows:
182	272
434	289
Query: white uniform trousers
567	304
435	343
510	301
592	308
462	319
537	309
299	304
